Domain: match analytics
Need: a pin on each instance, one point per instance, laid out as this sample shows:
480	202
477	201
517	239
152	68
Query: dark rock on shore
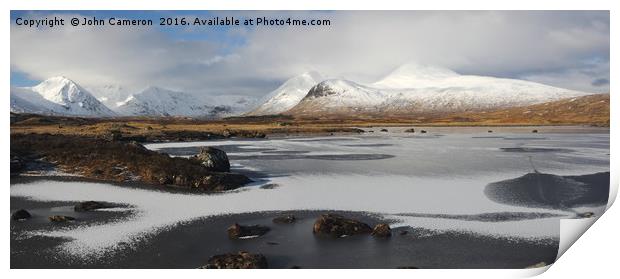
384	130
382	230
241	260
287	219
21	214
338	226
423	131
412	130
90	206
60	218
213	159
237	231
534	131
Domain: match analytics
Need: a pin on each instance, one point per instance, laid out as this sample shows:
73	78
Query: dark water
286	245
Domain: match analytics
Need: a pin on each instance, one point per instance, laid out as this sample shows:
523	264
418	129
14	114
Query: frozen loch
446	194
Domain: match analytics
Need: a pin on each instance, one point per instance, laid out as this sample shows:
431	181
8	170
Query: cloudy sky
565	49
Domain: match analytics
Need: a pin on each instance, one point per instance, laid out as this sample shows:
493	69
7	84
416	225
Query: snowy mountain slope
414	89
155	101
58	96
110	95
287	95
27	101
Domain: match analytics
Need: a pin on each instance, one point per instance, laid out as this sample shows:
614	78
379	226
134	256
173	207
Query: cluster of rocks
330	224
22	214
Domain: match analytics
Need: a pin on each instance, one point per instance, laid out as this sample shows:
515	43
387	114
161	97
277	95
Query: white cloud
567	49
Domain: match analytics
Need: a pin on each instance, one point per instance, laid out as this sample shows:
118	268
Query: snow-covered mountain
287	95
414	89
156	101
57	96
111	95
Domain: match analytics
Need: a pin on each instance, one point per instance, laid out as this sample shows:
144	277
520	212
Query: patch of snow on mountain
288	94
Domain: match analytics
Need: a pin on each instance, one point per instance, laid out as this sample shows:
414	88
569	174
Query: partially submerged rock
240	260
384	130
214	159
286	219
412	130
60	218
339	226
90	206
237	231
534	131
423	131
21	214
382	230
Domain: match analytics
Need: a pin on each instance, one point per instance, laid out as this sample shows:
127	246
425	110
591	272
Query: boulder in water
237	231
240	260
339	226
382	230
213	159
21	214
286	219
412	130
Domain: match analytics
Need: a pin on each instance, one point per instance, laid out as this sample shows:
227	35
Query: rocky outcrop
237	231
90	206
213	159
21	214
60	218
240	260
339	226
122	161
381	230
286	219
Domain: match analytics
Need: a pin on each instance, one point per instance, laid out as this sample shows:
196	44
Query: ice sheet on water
445	175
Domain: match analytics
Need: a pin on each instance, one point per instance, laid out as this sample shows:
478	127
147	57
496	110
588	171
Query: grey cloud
568	49
600	82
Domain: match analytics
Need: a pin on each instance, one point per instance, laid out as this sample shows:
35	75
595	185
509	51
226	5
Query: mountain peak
61	95
58	80
414	75
288	94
